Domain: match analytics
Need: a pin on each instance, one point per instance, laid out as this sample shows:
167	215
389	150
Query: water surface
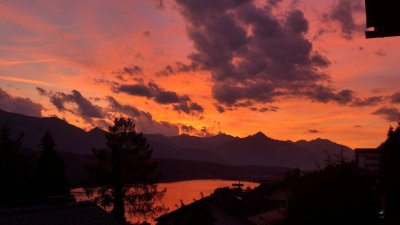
181	191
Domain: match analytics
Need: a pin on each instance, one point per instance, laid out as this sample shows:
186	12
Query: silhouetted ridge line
256	149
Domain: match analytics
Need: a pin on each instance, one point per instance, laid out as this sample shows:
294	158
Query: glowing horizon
176	67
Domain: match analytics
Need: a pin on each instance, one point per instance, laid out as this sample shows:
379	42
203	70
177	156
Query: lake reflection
185	191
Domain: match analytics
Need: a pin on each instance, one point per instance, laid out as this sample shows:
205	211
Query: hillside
257	149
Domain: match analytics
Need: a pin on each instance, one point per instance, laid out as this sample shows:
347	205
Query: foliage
390	174
124	175
50	176
338	194
15	171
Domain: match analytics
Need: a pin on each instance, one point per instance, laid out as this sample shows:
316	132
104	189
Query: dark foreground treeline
122	176
29	179
342	193
127	176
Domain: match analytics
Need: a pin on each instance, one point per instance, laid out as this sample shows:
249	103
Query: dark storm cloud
313	131
125	109
370	101
395	98
187	129
159	4
390	114
143	120
20	105
41	91
268	109
252	54
177	68
136	90
274	2
106	82
180	103
219	108
264	109
325	94
188	107
166	71
133	70
204	132
129	73
243	104
85	108
343	12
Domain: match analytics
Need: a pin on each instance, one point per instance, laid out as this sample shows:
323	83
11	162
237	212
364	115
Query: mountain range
257	149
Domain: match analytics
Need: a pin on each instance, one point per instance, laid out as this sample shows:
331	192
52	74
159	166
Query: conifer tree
15	171
126	173
50	172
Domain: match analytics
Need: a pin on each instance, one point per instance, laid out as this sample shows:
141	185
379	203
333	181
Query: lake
185	191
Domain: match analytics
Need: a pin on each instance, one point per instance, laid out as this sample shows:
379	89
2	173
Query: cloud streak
313	131
180	103
178	67
343	12
390	114
143	120
84	107
25	81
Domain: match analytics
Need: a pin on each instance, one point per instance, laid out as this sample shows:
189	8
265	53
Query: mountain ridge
257	149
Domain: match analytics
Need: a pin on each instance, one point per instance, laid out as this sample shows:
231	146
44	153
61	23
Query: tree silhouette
125	173
390	175
50	175
338	194
15	171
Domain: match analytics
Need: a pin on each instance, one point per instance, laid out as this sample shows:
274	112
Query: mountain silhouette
257	149
68	138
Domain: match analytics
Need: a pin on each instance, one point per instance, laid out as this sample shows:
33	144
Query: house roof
228	206
83	213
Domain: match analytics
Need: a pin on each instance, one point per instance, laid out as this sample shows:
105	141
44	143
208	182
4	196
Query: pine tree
126	173
15	171
50	172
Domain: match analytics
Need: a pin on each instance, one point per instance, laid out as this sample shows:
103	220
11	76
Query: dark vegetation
28	179
390	175
340	193
49	177
124	176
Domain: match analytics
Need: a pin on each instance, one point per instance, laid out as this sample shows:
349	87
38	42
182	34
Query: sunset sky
291	69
